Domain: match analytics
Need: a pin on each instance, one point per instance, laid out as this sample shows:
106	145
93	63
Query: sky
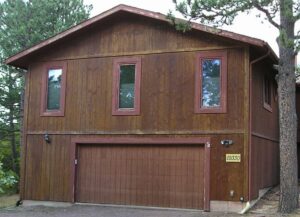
248	25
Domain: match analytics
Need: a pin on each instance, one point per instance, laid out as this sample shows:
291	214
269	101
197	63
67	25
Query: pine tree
24	23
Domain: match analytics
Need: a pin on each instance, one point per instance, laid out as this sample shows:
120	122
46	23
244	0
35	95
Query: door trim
205	141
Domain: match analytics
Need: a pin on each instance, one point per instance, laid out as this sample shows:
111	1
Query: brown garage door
147	175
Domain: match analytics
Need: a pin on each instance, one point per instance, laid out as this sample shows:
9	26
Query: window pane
54	86
211	69
127	79
267	91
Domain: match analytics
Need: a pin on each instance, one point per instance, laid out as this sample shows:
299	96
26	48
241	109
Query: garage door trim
205	141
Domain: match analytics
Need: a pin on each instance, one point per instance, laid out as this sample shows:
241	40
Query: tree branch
267	13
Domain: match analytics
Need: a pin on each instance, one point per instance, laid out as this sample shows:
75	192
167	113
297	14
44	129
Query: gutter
248	206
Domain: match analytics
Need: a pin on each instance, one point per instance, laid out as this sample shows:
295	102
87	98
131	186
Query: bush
8	180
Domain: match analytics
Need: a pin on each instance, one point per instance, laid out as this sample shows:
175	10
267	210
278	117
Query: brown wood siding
264	165
48	169
264	122
167	103
167	97
131	35
227	176
48	173
265	133
147	175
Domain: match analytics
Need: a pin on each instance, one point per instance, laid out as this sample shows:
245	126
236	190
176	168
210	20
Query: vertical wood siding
149	175
167	97
167	102
47	169
265	165
265	134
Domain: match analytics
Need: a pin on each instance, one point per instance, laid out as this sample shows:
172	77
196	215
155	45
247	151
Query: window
53	89
267	91
126	86
211	82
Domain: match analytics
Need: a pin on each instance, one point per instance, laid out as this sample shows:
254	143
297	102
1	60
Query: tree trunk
287	112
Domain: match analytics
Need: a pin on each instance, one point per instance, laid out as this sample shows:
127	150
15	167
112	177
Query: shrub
8	180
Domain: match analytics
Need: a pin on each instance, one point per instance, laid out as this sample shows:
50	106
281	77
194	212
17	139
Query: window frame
116	86
267	105
44	92
208	55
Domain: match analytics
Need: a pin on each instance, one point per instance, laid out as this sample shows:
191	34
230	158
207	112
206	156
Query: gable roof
18	59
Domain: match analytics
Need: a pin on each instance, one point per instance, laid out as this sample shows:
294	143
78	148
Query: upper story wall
128	34
168	60
265	121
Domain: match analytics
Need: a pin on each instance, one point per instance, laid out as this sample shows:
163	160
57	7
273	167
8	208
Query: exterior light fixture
47	138
226	142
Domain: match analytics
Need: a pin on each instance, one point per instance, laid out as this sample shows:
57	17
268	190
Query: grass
8	200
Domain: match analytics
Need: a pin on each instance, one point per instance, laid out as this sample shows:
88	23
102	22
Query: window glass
54	87
211	69
267	91
126	91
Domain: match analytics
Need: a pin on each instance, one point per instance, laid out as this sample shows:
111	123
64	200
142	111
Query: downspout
248	204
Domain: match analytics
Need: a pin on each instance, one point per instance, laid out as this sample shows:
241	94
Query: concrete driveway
102	211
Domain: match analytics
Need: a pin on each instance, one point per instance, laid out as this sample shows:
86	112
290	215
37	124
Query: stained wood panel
264	165
264	145
47	171
167	97
264	122
228	176
149	175
130	35
167	102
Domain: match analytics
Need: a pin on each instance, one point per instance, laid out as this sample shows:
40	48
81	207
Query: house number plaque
233	158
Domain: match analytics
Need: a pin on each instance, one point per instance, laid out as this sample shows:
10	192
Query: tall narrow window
211	79
53	90
126	86
267	93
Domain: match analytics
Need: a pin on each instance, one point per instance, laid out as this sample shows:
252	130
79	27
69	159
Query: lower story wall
264	165
47	172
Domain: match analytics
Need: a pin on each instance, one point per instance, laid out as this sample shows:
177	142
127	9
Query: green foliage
8	180
220	12
24	23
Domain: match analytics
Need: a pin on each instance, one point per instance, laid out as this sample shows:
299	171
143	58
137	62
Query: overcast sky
244	24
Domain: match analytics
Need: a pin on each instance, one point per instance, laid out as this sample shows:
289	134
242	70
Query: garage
156	175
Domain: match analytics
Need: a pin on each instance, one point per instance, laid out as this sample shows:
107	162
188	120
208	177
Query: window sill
125	112
267	107
210	110
52	114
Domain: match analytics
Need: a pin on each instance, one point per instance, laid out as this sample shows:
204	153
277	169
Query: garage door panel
147	175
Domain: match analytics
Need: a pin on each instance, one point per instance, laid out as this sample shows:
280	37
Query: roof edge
142	12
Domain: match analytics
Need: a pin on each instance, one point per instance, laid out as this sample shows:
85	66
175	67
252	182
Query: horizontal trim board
141	140
128	54
264	137
137	132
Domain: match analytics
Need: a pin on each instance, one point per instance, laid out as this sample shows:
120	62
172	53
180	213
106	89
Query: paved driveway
102	211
